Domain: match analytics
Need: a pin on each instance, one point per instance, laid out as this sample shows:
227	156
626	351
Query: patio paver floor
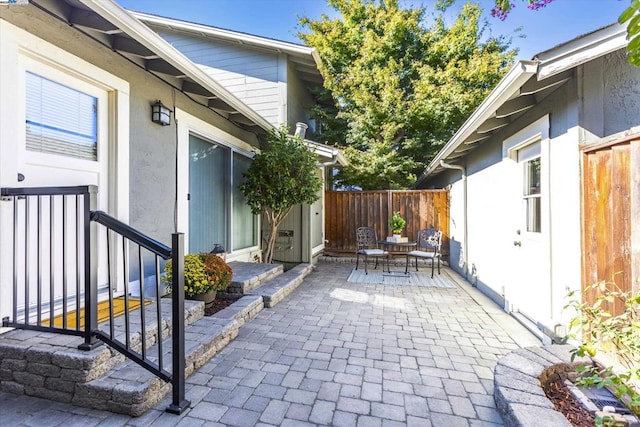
338	353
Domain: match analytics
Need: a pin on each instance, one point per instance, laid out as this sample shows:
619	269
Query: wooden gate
611	214
347	210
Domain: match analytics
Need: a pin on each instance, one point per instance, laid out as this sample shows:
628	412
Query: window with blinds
60	120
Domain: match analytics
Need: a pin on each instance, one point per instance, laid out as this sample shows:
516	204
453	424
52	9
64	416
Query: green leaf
627	14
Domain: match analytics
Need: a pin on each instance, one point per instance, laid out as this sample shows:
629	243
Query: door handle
517	243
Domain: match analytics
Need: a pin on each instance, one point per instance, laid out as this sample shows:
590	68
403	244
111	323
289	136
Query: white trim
518	74
128	23
545	64
580	50
228	35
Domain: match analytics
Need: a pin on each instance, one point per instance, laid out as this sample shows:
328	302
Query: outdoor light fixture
160	114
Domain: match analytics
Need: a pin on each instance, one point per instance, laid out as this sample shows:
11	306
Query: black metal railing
67	257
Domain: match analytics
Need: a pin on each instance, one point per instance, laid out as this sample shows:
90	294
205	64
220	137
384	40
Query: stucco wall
601	99
611	96
493	209
151	166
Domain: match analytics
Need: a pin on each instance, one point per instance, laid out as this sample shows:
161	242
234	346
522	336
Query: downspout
465	238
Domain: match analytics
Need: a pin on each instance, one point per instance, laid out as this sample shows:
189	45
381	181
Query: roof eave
326	151
517	75
151	40
234	36
581	50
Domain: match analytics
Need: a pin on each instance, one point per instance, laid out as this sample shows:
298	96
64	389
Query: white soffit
126	22
280	46
514	92
508	86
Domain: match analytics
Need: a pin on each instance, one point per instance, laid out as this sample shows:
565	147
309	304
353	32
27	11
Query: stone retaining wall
518	392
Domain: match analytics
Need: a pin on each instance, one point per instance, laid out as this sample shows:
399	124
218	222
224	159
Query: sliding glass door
218	212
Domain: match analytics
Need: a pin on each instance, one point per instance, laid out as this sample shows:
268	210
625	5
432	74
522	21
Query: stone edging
517	386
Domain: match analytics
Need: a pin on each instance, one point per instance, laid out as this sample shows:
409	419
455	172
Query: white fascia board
317	59
580	50
510	83
126	22
233	36
326	151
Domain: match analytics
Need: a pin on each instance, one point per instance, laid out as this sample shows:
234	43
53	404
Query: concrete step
132	390
50	365
250	275
275	290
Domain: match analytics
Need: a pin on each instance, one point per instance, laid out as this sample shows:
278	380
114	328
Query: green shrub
618	336
203	273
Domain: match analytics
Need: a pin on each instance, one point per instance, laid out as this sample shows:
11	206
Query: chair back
429	239
366	238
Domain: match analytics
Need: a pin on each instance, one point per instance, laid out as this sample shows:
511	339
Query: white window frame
191	125
521	146
22	51
526	197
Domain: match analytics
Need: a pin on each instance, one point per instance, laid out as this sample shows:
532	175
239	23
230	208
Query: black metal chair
428	242
367	245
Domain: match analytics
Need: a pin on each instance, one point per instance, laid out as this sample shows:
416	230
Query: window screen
532	195
60	120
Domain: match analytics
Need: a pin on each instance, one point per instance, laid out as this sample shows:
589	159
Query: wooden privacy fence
347	210
611	214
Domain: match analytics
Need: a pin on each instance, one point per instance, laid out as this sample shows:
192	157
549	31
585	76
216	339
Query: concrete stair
49	365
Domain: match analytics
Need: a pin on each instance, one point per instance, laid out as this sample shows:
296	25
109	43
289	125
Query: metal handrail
85	239
131	233
48	191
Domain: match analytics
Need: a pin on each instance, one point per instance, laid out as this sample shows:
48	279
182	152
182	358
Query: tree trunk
271	243
273	219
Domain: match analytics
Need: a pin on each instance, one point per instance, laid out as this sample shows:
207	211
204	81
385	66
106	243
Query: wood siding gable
252	75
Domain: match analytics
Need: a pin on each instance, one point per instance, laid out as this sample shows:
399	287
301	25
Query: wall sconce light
160	114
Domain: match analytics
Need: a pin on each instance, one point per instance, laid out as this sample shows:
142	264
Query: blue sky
561	21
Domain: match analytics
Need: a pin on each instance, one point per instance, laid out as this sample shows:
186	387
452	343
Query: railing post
179	403
90	271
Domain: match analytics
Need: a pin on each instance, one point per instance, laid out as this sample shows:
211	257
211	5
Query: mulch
567	404
217	305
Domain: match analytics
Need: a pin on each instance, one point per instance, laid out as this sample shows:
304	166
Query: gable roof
526	84
111	25
306	60
114	27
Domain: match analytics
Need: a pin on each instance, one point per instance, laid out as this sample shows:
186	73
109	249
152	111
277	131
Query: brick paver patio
337	353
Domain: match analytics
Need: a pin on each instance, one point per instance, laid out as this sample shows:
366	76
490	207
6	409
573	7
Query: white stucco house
78	79
277	80
519	225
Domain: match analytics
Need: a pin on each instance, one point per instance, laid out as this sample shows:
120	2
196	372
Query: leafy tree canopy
399	88
283	175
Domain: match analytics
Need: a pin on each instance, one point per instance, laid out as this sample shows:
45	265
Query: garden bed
217	305
567	404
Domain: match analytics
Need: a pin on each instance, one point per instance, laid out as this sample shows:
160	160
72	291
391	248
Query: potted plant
204	275
397	224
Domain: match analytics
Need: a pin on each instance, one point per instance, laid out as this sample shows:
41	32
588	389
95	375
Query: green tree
632	15
282	175
400	88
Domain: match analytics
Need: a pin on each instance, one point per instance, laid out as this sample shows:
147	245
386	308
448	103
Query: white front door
67	125
529	289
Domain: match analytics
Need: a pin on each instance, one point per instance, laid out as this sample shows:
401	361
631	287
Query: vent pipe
301	130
